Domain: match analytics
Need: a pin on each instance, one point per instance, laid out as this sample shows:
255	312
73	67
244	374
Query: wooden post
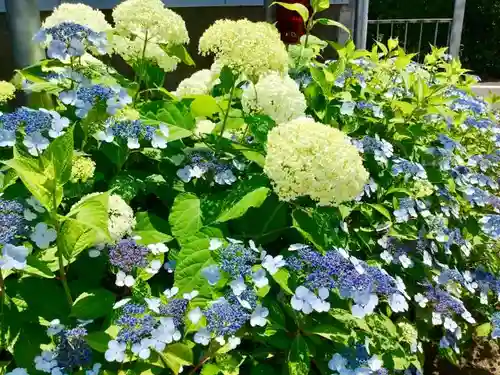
456	27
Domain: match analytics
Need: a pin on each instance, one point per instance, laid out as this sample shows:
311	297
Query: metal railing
408	31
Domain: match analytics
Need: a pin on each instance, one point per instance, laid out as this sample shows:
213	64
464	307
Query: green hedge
480	47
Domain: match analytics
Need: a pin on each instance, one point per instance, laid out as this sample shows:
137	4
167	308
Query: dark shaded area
197	21
480	47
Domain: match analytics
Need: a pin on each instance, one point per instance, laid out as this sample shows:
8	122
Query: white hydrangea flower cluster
140	21
80	14
306	158
200	83
121	218
275	95
251	48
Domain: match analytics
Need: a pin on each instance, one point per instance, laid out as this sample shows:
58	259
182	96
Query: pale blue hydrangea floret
247	299
225	318
357	360
377	111
369	189
406	211
482	125
483	180
175	308
12	222
134	323
449	143
202	163
69	39
477	196
408	169
465	102
85	97
72	350
485	162
443	302
354	279
491	226
449	204
127	254
380	148
495	322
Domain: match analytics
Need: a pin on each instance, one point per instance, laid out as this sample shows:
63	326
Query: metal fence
415	35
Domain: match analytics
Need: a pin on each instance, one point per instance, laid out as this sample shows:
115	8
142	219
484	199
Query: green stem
2	304
198	366
143	57
226	115
62	276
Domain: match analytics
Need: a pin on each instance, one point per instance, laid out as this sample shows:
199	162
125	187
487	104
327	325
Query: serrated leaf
210	369
38	268
330	332
178	355
93	304
191	260
185	218
381	209
59	155
296	7
282	277
152	229
349	320
328	22
75	237
204	106
92	212
252	199
298	357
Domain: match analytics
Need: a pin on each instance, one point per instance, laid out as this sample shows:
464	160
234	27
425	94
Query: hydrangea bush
276	213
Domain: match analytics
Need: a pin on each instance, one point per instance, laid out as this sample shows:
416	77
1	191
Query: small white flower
122	279
35	204
121	303
221	340
105	136
18	371
169	293
360	310
7	138
46	361
215	243
94	370
347	108
195	315
191	296
259	316
133	143
233	342
29	215
160	137
427	259
358	265
202	337
154	267
450	324
55	327
337	363
297	246
185	174
386	256
301	300
398	303
238	286
36	143
225	177
158	248
405	261
421	299
259	278
212	274
142	348
375	363
272	265
468	317
43	235
116	351
153	304
58	125
96	250
13	257
436	319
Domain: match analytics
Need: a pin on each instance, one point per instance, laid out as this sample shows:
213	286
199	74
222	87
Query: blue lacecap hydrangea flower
491	226
134	323
225	318
128	254
175	308
408	169
72	350
12	221
69	39
237	260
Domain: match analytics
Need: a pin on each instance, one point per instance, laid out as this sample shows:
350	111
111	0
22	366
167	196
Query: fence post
456	27
347	17
362	7
269	11
23	20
